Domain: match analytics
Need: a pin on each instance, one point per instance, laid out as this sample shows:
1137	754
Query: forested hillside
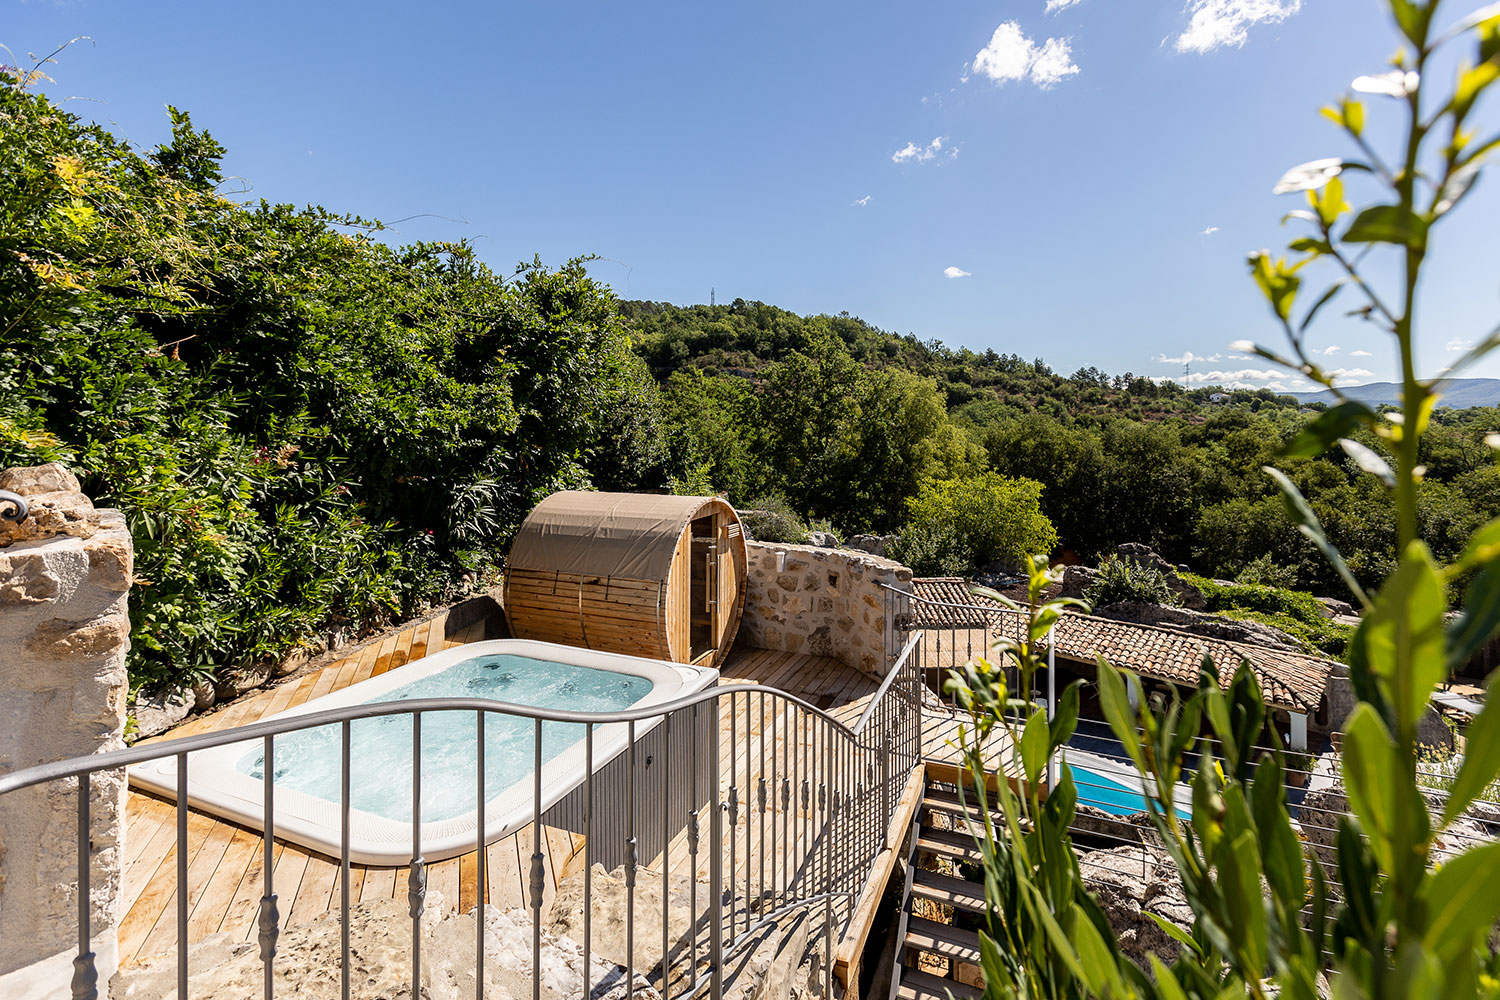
845	421
308	428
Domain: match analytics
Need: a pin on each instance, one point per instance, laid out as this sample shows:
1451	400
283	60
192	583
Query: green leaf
1101	970
1176	933
1369	460
1481	761
1463	899
1327	427
1389	808
1034	746
1119	714
1413	601
1479	619
1323	300
1065	718
1167	986
1388	224
1276	280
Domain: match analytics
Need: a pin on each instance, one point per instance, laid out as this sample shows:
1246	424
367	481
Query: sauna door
703	603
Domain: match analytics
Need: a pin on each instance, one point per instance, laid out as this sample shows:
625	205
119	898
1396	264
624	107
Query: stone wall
65	572
827	602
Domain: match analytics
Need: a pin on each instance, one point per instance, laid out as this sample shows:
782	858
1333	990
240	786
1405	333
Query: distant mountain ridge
1457	393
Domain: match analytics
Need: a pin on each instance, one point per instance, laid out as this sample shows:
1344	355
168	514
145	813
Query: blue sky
1078	181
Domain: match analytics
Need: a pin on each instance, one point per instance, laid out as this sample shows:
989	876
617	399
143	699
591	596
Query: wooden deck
225	861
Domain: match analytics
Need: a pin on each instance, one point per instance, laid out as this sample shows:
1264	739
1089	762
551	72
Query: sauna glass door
703	603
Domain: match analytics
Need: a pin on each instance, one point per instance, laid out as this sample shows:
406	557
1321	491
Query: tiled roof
1293	681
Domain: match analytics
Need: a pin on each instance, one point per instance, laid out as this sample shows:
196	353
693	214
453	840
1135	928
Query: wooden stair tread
949	890
948	802
924	986
942	939
949	843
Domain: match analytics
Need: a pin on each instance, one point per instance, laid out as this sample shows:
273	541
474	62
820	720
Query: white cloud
1237	378
1053	6
1360	354
1188	357
1346	373
955	272
921	154
1331	349
1209	231
1227	22
1458	344
1011	55
862	202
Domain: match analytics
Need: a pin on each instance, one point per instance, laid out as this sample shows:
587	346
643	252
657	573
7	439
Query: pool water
1094	789
380	749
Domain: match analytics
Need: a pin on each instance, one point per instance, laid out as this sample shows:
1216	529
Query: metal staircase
943	901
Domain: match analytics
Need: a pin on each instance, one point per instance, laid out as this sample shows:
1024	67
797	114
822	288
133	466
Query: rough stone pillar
65	572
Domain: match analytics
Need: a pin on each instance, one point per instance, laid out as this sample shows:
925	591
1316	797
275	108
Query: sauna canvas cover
627	535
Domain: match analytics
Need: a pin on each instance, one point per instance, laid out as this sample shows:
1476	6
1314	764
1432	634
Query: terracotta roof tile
1293	681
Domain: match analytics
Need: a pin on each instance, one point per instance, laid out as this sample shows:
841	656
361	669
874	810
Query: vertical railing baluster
85	975
416	876
538	869
827	859
630	863
588	855
182	865
716	864
666	848
269	920
760	789
344	807
693	848
732	803
481	850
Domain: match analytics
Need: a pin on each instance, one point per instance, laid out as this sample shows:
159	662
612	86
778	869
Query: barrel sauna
636	573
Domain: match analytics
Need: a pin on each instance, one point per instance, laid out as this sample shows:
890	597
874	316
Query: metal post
344	806
416	877
182	865
716	873
85	975
480	852
270	920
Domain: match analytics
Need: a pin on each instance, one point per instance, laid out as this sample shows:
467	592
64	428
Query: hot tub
228	781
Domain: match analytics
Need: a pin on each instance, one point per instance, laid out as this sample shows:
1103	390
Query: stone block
25	578
111	559
60	639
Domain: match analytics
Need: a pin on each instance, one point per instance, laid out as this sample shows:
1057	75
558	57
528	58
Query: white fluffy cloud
1360	354
1458	344
921	154
1330	349
1227	22
1011	55
1188	357
955	272
1209	231
862	202
1053	6
1344	375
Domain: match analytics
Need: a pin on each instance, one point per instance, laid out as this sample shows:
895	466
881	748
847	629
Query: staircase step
948	890
924	986
942	939
948	802
955	844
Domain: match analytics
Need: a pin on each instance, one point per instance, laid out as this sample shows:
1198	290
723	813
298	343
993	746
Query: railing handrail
125	757
911	645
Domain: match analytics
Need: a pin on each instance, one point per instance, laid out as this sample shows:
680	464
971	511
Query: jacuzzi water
380	749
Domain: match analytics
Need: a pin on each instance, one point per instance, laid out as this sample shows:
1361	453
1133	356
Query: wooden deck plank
244	905
314	891
222	885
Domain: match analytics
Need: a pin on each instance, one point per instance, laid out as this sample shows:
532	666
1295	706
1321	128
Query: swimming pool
1103	792
228	781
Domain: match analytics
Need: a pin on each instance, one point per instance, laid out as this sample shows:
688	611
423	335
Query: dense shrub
771	519
988	516
304	426
1127	580
1294	612
933	550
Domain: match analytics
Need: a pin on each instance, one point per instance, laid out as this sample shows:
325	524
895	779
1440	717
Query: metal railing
798	806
